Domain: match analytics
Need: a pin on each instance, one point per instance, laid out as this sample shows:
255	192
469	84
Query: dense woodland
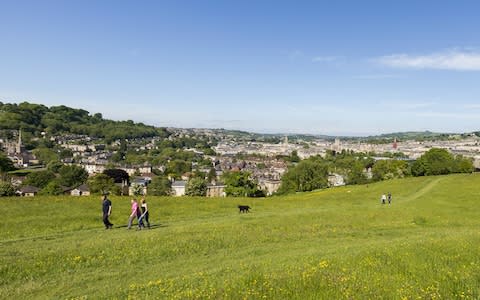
34	119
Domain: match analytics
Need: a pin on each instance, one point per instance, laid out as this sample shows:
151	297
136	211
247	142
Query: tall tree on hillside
118	175
46	155
54	166
72	176
178	167
6	165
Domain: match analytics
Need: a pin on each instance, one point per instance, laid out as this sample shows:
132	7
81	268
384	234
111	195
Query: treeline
34	119
52	181
312	173
359	168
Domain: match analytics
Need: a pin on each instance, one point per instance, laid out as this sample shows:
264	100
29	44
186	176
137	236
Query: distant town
218	151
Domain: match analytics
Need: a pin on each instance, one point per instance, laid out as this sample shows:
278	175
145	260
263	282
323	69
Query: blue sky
343	68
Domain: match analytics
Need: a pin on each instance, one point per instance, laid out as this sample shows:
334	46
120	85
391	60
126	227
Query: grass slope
332	244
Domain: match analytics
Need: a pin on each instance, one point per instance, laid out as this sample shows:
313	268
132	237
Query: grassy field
338	243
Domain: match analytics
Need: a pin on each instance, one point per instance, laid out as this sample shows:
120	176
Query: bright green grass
333	244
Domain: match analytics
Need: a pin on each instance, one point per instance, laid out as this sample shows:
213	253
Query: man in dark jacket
107	210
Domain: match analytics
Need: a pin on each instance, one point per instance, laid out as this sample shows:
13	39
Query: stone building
178	188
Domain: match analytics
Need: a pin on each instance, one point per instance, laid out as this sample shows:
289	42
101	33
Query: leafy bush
196	187
6	189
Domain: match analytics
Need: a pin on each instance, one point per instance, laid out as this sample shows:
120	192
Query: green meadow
338	243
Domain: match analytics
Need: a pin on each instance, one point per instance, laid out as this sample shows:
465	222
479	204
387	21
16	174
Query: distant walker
383	199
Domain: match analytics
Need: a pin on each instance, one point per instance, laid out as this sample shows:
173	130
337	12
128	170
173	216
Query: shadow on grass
135	227
58	235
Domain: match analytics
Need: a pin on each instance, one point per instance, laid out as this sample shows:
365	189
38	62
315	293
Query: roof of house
29	189
140	181
180	183
66	189
83	188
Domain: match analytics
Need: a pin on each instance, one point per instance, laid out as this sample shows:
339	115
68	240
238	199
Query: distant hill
55	120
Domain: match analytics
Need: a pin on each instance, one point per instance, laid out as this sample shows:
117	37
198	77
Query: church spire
19	144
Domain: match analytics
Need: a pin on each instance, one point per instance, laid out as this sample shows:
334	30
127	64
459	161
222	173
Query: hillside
33	119
337	243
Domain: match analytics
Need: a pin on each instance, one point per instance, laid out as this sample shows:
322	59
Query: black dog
244	208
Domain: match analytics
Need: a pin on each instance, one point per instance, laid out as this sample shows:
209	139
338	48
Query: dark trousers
106	221
140	220
145	218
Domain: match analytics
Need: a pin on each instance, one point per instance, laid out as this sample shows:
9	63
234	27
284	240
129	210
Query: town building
82	190
216	189
178	188
28	191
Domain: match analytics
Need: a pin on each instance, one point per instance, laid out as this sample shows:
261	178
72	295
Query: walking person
107	211
135	213
145	213
389	197
384	198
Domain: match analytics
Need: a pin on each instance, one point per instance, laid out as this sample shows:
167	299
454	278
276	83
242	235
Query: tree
356	174
160	186
196	187
45	155
72	175
117	157
212	174
118	175
209	151
34	118
54	166
463	164
178	167
307	175
6	165
294	156
433	162
52	188
39	179
6	189
65	153
101	183
137	189
239	184
418	167
389	169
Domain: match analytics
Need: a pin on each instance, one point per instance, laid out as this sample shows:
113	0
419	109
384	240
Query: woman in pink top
134	213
